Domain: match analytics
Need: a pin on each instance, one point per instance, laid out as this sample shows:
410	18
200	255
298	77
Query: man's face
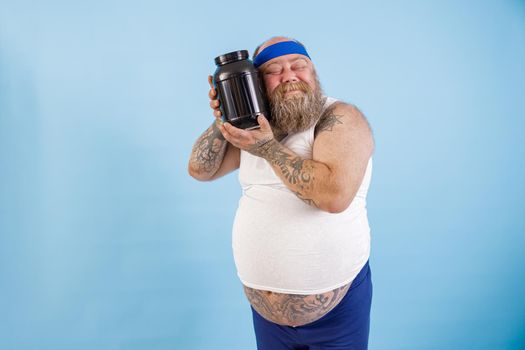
287	69
294	92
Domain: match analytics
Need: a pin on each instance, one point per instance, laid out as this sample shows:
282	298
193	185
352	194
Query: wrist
264	148
217	131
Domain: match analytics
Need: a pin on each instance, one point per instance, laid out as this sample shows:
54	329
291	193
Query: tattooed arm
212	156
341	150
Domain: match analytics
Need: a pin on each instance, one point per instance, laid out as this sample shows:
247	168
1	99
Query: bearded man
301	239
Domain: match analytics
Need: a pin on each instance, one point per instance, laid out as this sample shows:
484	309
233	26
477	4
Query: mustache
283	88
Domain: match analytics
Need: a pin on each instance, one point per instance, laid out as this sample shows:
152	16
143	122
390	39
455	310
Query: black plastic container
239	89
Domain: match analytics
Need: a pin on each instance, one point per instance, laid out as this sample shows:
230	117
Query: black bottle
239	89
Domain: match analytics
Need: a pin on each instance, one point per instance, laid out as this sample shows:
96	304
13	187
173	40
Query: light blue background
107	243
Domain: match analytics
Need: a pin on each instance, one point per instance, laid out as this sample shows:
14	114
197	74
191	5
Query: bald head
278	46
271	41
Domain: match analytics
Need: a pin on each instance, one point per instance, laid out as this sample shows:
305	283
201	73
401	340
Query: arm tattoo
294	309
298	172
255	148
208	151
328	120
327	123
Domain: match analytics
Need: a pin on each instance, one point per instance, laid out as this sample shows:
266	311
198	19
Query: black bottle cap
231	57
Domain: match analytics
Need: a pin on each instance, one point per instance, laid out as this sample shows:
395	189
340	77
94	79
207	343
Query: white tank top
284	245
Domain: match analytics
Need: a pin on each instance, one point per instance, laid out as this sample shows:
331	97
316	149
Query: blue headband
279	49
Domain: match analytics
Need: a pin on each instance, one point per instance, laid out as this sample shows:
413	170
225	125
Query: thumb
263	122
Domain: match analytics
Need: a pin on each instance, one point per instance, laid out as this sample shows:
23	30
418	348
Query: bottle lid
231	57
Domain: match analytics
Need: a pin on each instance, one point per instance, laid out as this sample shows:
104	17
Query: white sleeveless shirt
284	245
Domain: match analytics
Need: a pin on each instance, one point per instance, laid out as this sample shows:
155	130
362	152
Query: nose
289	76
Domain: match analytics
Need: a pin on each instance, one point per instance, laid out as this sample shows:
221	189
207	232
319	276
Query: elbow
336	207
338	202
193	172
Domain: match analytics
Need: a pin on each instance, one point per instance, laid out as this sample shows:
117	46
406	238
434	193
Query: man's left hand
249	140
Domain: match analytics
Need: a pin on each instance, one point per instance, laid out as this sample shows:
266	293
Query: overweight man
301	239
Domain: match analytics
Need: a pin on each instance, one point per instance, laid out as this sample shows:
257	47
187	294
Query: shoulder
342	116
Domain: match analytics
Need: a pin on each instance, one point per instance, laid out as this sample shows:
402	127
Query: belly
281	244
293	309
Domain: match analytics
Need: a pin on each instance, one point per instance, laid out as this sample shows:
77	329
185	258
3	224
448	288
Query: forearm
207	153
308	179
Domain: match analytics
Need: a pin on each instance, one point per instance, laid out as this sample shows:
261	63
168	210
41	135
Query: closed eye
299	64
273	72
273	69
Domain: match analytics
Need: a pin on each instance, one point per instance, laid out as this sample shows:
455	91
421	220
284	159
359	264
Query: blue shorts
345	327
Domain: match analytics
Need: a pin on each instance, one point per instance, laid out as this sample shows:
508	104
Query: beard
297	111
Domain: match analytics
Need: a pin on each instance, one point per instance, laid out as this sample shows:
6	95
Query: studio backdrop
106	242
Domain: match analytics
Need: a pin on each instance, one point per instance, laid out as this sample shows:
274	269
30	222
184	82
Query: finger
217	113
234	132
213	91
212	94
214	104
228	127
263	122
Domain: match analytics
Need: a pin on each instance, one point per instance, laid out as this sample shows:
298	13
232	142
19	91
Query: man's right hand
214	101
